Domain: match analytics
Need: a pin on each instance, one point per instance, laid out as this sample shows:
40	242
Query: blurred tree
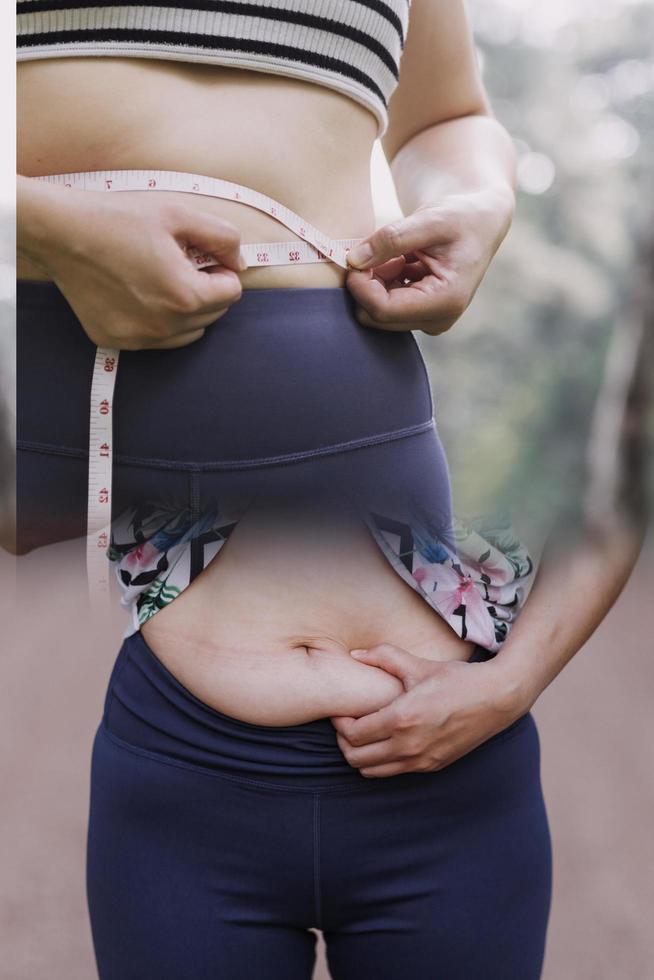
7	427
618	446
517	379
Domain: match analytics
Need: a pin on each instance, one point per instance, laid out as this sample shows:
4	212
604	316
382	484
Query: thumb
393	659
191	226
419	230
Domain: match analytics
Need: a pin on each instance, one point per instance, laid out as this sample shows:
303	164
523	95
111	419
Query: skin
445	710
132	287
454	170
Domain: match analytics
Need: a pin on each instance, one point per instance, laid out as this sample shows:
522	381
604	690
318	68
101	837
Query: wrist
516	688
493	205
499	202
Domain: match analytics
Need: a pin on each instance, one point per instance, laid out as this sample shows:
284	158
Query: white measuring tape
314	246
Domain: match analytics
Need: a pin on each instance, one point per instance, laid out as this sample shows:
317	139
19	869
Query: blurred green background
516	380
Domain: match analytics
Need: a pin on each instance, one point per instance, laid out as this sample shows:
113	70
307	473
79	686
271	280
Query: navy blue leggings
286	394
215	846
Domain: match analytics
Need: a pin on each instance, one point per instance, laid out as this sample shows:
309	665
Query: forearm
470	155
43	212
573	591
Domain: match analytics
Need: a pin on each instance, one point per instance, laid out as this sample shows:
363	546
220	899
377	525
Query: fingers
431	302
216	289
210	291
200	299
400	237
371	755
188	301
404	276
389	769
374	727
181	340
198	295
391	658
192	226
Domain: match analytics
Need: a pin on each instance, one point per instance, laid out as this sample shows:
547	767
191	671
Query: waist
148	707
284	373
105	113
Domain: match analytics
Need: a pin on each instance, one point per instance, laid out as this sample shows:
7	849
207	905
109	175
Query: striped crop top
354	46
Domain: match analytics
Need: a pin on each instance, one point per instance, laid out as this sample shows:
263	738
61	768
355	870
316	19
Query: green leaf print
157	596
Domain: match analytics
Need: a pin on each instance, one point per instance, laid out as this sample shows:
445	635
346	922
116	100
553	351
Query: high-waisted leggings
216	846
285	395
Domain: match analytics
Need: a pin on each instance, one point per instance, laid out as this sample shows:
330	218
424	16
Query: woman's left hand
424	270
447	709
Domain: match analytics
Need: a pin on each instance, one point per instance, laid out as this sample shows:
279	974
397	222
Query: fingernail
357	653
242	261
360	255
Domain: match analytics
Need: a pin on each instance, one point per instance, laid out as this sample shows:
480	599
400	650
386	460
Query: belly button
302	648
319	655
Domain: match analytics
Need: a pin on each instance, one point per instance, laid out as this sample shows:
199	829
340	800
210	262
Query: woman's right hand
118	259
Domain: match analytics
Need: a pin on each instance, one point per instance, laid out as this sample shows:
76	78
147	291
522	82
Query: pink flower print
446	590
141	554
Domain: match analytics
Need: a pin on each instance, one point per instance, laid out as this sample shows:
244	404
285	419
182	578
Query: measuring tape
313	246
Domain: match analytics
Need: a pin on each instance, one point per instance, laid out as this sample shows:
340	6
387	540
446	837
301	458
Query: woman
231	808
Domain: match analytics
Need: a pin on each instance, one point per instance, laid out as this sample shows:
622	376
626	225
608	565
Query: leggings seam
283	459
316	861
112	688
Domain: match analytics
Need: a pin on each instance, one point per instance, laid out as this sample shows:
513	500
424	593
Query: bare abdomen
303	144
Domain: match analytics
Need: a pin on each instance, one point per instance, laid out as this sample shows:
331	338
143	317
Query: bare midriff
264	632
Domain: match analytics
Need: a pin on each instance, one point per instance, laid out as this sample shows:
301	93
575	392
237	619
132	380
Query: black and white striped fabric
354	46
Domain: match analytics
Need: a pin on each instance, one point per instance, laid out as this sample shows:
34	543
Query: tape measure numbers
313	246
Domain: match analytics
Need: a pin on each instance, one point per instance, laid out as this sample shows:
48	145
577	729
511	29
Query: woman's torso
303	144
279	654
